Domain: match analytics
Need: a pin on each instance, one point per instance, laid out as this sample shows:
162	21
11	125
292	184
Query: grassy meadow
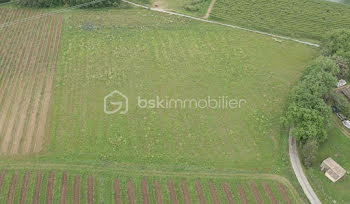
169	56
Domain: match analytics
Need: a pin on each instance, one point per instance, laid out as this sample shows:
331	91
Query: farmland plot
27	60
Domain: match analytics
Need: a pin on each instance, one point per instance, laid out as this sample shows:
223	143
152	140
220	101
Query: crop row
53	187
300	18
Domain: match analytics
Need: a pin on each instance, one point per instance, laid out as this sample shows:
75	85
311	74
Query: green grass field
300	18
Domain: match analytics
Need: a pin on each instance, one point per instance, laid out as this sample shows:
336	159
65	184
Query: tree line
308	111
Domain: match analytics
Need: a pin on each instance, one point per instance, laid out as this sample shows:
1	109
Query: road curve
299	173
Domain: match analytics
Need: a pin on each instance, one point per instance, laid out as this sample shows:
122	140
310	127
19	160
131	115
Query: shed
333	171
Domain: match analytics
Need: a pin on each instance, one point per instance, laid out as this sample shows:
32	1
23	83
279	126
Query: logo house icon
116	102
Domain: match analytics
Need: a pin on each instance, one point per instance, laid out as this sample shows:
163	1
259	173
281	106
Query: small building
332	170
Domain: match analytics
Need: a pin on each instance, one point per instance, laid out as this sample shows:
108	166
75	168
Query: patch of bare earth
49	192
145	192
242	195
24	188
39	179
213	194
228	193
63	193
256	193
158	193
118	199
131	192
284	193
90	190
172	192
2	178
185	193
76	193
269	193
11	193
199	192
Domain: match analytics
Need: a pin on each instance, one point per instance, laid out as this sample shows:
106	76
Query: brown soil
200	192
63	194
76	194
284	193
256	193
158	193
145	192
11	88
187	198
172	192
131	192
11	194
90	190
47	93
242	195
118	199
2	178
269	193
228	193
49	192
39	179
213	194
24	188
29	88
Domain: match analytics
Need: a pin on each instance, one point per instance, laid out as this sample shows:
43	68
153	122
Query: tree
337	43
343	64
309	152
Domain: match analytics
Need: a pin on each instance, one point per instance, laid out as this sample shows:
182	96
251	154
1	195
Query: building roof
346	92
335	171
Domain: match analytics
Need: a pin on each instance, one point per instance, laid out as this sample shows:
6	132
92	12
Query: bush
343	65
337	43
309	152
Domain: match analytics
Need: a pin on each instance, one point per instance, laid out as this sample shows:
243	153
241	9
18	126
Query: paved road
299	173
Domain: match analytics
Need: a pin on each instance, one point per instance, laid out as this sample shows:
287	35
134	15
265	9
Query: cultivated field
298	18
45	186
27	59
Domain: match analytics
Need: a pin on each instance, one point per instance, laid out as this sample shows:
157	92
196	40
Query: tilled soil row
269	193
24	188
49	192
283	192
90	190
63	192
256	193
200	192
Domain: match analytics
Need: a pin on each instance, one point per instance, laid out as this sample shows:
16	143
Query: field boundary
128	172
222	24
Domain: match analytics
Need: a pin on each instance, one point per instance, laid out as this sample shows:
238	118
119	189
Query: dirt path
63	193
283	192
29	88
90	190
228	193
49	192
118	199
158	192
211	6
185	193
213	194
172	192
11	193
24	188
131	192
242	195
269	193
39	179
256	193
145	192
299	172
47	93
200	192
76	194
2	178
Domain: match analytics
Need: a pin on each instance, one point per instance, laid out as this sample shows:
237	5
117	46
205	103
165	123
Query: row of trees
83	3
307	110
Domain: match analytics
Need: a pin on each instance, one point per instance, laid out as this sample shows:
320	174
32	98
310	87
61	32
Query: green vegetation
337	147
337	43
169	56
52	3
298	18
